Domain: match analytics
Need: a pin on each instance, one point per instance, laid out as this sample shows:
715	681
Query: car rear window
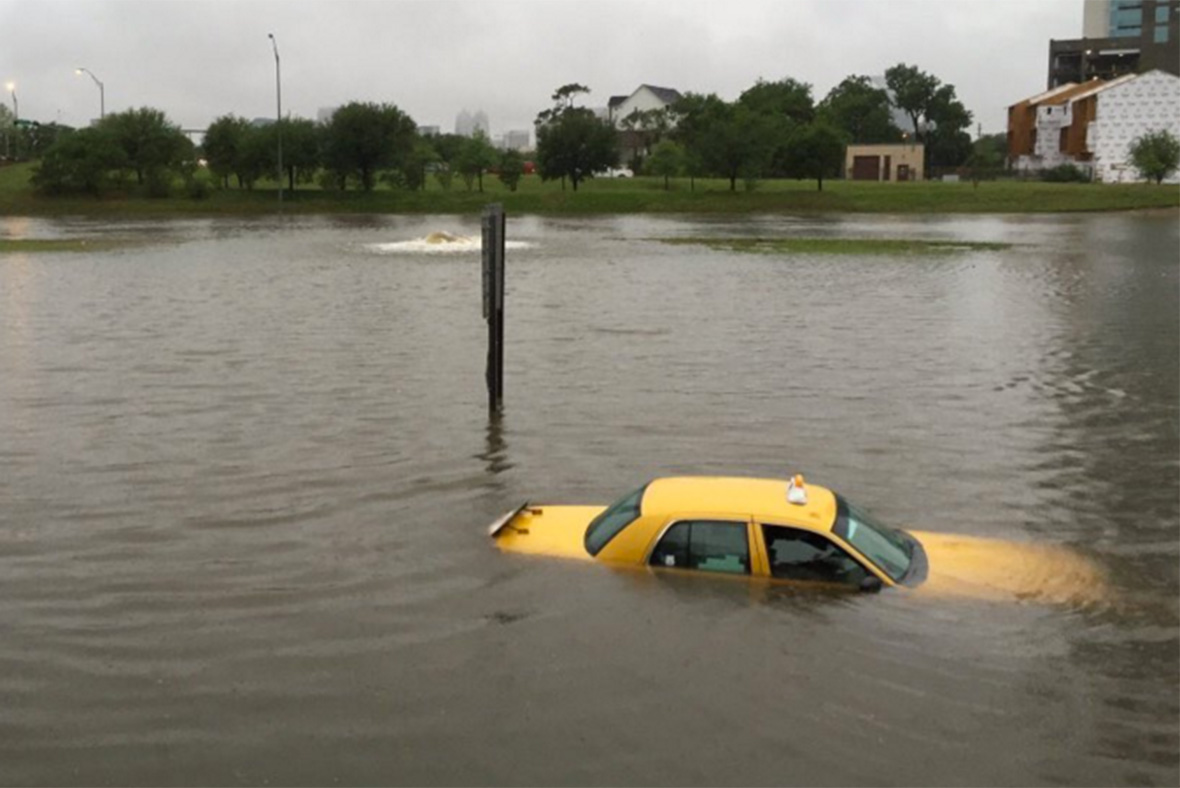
618	516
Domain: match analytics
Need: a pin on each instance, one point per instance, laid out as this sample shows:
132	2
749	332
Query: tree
947	142
985	159
572	142
302	142
8	129
511	169
642	129
817	150
256	155
728	140
666	160
861	111
79	162
940	119
413	172
1156	155
153	145
787	98
913	92
222	146
475	157
362	139
448	146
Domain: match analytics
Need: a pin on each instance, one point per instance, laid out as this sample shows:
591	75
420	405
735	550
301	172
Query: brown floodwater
246	469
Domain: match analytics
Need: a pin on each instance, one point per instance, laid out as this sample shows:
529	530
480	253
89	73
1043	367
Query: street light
279	119
102	94
11	86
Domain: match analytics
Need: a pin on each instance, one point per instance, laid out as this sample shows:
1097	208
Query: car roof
762	499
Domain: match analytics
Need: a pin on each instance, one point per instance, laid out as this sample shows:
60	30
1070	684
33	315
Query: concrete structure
901	162
1091	125
1119	37
644	98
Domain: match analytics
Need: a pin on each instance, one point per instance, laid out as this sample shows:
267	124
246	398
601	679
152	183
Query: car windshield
605	526
888	548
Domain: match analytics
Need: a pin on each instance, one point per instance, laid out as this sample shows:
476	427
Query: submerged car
789	531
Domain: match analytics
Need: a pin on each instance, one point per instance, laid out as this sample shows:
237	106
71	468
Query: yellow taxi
790	531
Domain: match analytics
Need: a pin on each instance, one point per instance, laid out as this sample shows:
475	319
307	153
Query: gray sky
198	59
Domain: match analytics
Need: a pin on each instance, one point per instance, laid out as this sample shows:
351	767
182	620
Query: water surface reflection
245	473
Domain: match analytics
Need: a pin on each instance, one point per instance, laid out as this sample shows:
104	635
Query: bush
80	162
1065	173
158	182
197	188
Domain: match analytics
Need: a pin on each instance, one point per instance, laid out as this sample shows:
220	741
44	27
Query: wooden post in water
493	300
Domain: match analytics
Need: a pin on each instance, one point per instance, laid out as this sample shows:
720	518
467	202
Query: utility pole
279	119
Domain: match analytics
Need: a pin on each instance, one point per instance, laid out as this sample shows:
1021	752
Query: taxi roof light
796	491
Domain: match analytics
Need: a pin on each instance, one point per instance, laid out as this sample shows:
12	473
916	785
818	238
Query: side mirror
871	584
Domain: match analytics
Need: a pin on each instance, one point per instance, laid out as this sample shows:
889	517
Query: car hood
546	530
997	569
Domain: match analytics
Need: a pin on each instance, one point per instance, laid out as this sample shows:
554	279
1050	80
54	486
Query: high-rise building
467	124
464	124
1119	37
516	140
479	122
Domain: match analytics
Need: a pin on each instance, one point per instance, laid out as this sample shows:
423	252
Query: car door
706	543
799	555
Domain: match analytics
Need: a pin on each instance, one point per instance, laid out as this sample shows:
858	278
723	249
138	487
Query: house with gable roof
1092	124
645	97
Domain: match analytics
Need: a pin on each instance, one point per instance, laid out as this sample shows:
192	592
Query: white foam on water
453	244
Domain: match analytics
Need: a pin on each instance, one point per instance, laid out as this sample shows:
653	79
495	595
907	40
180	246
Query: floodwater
245	470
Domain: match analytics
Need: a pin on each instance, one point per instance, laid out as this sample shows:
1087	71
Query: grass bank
858	246
15	245
613	196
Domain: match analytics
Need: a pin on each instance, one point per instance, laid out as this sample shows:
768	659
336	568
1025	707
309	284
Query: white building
516	140
645	98
466	124
1126	110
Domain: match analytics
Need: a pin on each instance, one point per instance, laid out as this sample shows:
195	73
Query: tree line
361	145
772	130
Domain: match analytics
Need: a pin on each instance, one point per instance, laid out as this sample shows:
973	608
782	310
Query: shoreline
618	197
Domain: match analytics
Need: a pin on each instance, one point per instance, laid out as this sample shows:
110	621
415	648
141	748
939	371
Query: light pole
279	120
102	94
11	86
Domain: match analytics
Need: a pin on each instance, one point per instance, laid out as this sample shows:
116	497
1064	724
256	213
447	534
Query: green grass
15	245
612	196
860	246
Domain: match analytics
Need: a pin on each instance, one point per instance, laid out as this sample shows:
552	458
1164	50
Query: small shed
901	162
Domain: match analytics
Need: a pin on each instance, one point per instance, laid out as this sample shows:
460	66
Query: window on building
1128	17
1161	34
709	545
1161	14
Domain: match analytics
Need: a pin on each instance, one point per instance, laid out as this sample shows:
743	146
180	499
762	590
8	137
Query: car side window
802	555
708	545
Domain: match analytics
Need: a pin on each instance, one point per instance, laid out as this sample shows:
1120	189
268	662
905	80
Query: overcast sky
198	59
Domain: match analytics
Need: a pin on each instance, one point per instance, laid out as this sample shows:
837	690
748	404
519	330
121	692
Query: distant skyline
198	59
